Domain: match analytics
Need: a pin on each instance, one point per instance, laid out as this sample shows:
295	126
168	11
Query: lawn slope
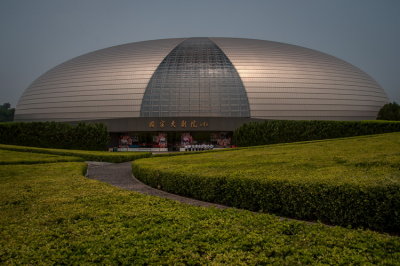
14	157
51	214
100	156
354	181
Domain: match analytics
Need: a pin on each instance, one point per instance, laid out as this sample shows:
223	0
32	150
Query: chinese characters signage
177	124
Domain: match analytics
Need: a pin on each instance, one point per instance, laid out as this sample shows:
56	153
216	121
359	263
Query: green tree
6	112
390	111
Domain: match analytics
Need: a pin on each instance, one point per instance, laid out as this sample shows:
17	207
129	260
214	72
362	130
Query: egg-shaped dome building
208	84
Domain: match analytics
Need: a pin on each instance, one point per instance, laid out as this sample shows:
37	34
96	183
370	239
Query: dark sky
38	35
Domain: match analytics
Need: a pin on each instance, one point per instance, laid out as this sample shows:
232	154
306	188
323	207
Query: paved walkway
120	175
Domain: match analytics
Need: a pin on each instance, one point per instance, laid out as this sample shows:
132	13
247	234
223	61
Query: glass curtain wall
195	79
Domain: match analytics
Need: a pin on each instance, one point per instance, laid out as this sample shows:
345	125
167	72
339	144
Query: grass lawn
14	157
367	160
310	180
101	156
51	214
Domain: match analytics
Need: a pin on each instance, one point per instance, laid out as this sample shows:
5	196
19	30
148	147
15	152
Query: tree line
6	112
390	111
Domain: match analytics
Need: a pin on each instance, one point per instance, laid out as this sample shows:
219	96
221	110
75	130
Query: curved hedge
345	205
59	135
347	182
281	131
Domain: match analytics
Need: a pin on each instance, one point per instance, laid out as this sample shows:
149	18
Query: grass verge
349	182
100	156
15	157
51	214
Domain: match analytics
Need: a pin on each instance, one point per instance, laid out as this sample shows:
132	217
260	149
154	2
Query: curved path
120	175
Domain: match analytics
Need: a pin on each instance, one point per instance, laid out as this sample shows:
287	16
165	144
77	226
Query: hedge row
281	131
346	205
55	135
354	184
98	156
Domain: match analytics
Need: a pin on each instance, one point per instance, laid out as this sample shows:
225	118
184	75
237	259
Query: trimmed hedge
99	156
281	131
59	135
347	182
346	205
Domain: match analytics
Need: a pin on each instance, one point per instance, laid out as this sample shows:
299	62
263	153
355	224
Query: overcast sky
38	35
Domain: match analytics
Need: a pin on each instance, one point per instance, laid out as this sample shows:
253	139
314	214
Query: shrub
348	182
281	131
83	136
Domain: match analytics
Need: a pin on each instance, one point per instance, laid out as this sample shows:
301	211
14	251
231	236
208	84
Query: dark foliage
6	113
83	136
282	131
390	111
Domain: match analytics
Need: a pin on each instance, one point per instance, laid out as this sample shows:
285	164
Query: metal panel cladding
107	83
195	79
285	81
281	81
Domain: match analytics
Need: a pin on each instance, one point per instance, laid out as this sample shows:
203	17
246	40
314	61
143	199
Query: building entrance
173	141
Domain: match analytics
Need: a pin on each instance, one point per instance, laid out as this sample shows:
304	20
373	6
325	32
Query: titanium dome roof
202	77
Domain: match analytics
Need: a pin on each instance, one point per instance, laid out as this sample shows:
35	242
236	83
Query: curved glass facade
195	79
